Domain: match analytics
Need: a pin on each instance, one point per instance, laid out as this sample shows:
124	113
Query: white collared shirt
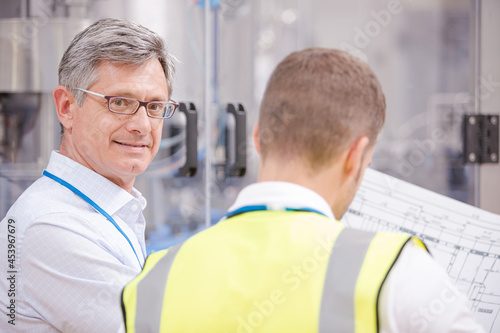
71	262
417	295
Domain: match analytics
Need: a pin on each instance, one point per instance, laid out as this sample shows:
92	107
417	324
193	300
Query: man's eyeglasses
127	105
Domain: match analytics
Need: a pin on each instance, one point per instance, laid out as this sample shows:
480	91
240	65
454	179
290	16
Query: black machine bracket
190	167
237	165
480	138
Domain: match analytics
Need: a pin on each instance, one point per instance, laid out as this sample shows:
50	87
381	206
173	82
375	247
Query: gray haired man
80	229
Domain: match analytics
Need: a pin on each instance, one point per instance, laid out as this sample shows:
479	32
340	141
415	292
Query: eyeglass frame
141	103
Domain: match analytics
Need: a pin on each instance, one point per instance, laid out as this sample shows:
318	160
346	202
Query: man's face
346	195
119	147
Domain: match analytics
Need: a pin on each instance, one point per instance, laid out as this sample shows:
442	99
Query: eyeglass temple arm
91	92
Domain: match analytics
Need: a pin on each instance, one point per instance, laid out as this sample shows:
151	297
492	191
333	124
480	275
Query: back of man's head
316	104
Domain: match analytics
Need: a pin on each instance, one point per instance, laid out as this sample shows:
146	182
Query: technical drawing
464	239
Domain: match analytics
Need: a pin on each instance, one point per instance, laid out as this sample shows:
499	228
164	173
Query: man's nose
140	121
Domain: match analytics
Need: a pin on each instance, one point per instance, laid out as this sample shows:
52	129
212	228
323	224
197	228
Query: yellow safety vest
265	271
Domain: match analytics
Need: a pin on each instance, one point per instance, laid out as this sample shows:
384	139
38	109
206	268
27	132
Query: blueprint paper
464	239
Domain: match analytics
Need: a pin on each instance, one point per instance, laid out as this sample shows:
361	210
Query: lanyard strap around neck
94	205
254	208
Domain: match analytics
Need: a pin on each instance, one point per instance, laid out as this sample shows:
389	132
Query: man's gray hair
116	40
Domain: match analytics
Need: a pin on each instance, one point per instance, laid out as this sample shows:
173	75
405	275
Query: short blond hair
318	102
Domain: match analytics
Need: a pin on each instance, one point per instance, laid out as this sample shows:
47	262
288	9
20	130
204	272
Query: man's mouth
132	144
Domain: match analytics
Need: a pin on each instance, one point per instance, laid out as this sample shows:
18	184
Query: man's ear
256	137
354	159
65	104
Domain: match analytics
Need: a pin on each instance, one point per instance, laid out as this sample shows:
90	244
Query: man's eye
155	107
119	102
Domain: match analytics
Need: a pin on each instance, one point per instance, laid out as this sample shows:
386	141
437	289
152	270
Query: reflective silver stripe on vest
150	293
337	301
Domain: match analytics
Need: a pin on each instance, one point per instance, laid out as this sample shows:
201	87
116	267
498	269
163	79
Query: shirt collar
99	189
281	195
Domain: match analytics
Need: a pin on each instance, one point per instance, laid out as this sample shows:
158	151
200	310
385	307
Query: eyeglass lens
129	106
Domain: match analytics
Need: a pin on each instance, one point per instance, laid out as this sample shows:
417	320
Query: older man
79	229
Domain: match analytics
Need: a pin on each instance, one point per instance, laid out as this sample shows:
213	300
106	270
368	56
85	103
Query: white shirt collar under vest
280	195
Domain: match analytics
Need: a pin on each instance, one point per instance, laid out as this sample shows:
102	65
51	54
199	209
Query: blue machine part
213	3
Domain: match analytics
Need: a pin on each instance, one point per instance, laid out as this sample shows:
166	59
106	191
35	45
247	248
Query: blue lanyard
255	208
93	204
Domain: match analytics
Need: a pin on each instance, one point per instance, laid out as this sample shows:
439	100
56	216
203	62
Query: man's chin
131	170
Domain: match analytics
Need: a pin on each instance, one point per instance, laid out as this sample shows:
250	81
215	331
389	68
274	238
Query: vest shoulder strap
358	266
142	302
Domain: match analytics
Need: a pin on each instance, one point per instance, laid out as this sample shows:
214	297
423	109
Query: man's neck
324	181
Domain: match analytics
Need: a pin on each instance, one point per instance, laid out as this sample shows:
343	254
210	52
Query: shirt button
134	208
